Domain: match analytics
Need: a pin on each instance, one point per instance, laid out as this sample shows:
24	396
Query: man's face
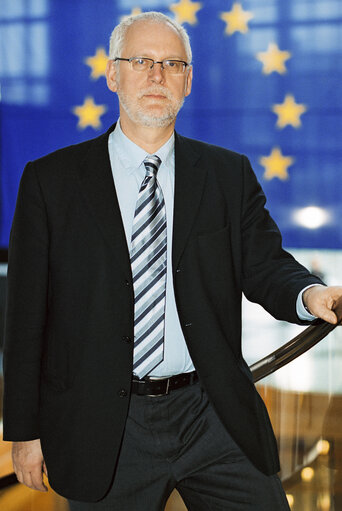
152	98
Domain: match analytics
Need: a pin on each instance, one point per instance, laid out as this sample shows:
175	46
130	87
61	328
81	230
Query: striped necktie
148	262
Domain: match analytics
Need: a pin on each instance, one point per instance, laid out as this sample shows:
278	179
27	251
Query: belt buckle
166	390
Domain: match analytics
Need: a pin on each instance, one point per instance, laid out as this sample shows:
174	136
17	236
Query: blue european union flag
267	82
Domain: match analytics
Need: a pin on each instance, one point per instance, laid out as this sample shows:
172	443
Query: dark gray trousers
177	441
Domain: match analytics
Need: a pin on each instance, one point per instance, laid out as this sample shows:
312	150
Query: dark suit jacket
67	362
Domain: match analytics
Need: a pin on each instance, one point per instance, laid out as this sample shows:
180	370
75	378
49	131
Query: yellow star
289	112
98	63
89	113
135	11
276	164
186	11
236	19
273	59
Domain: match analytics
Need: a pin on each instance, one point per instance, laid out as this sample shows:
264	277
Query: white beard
139	115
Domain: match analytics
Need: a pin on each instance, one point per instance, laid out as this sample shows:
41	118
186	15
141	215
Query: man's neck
149	139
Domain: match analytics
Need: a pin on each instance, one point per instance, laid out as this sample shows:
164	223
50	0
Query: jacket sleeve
270	276
26	308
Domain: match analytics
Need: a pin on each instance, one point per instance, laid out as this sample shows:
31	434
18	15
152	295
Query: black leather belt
162	386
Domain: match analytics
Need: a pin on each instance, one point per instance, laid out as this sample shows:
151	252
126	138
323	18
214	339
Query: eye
174	66
141	62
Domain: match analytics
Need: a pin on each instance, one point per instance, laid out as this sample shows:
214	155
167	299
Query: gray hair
117	37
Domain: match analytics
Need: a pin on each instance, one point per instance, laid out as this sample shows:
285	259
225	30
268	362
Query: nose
156	74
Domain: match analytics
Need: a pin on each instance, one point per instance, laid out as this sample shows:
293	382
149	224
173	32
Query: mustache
162	91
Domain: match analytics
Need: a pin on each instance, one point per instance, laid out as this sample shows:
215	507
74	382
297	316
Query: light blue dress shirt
128	170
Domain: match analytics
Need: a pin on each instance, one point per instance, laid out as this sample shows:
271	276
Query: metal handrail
267	365
304	341
291	350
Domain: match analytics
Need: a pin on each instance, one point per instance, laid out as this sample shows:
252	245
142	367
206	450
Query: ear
111	75
188	82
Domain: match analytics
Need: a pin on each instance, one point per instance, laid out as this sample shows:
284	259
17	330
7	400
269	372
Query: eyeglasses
170	66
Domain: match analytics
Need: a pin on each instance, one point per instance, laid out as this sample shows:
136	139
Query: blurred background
267	83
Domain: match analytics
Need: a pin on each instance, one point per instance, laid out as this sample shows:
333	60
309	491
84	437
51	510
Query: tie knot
152	164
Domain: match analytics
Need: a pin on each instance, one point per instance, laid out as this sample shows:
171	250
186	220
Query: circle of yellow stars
273	60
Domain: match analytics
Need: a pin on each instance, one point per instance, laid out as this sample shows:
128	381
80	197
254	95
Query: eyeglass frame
154	62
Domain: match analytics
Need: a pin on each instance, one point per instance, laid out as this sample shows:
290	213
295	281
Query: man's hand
323	302
28	463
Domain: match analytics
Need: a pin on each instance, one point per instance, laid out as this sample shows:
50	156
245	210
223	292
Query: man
129	253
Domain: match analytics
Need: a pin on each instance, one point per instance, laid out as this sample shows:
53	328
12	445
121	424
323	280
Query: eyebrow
165	58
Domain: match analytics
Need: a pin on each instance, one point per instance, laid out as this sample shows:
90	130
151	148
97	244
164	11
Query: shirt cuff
302	312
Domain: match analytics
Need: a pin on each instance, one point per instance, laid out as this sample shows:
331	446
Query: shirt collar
132	156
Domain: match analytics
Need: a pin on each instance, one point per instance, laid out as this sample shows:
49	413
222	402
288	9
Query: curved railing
291	350
301	343
311	336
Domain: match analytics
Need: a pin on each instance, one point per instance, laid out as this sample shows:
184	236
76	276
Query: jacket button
188	324
178	270
126	283
126	338
122	393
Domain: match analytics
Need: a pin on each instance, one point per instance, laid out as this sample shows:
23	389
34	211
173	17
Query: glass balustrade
304	400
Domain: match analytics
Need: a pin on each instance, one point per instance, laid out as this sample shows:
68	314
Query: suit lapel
96	181
97	184
189	184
